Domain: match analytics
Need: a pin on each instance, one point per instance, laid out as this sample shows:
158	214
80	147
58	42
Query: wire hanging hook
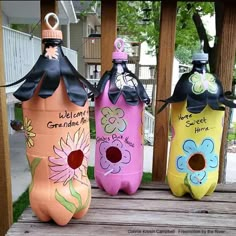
119	45
51	14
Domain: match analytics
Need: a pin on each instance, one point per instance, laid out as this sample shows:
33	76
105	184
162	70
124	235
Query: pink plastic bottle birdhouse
119	117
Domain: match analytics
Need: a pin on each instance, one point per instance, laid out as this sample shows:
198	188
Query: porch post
108	32
5	174
163	90
224	69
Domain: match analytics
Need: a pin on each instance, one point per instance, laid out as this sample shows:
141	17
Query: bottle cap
119	53
200	56
52	32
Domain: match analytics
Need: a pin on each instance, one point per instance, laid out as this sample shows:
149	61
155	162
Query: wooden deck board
148	218
152	210
166	195
230	187
121	230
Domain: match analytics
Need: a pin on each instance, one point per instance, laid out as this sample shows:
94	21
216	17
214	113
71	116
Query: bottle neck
120	65
199	67
55	44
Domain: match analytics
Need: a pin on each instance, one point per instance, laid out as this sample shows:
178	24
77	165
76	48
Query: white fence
21	51
149	126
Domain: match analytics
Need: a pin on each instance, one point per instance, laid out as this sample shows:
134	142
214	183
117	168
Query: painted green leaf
187	184
86	203
68	205
75	194
33	167
166	179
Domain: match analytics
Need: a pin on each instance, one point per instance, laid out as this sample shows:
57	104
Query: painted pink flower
72	158
113	156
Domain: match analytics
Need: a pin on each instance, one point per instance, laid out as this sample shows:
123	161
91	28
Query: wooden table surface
153	210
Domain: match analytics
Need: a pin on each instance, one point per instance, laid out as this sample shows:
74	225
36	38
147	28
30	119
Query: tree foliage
131	21
132	13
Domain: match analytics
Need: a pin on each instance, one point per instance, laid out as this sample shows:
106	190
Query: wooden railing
21	51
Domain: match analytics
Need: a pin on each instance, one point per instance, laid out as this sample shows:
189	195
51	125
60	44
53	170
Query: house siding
77	32
5	20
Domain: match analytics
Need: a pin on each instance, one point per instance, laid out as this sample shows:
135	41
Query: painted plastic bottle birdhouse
197	118
56	124
119	110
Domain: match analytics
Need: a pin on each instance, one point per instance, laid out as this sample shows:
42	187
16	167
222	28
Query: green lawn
92	128
23	201
18	112
231	136
20	205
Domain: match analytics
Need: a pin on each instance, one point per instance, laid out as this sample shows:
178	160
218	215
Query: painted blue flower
197	161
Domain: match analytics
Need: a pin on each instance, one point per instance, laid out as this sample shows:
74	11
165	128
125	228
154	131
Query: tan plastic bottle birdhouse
56	124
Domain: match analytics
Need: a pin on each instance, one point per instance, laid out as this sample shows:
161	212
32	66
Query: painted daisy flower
112	120
29	134
113	156
197	161
72	158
